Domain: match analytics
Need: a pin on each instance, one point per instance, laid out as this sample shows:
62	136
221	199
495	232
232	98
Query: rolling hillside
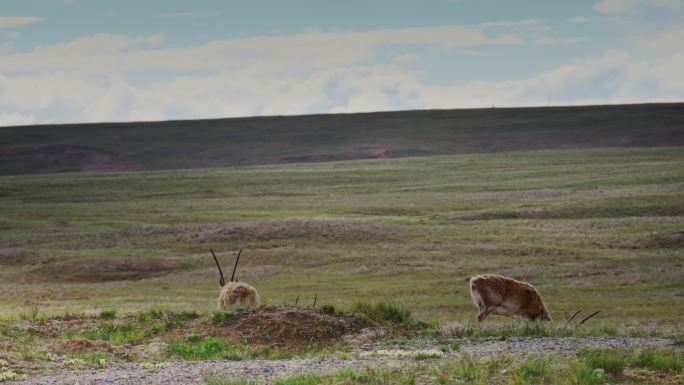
315	138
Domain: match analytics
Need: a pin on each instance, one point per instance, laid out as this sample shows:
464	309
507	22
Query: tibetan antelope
506	296
234	293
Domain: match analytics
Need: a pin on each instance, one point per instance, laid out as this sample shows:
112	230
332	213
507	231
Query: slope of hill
315	138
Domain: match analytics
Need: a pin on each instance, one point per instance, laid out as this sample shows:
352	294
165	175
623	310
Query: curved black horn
222	281
590	315
573	316
235	267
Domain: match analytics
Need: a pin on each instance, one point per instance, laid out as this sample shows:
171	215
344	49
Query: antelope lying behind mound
234	293
506	296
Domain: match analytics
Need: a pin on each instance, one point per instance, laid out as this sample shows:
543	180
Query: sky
76	61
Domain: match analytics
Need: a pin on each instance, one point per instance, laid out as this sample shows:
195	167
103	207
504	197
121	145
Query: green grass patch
108	314
577	373
210	349
612	361
533	372
666	360
383	312
117	334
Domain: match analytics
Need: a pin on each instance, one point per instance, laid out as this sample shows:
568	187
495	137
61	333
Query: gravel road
173	373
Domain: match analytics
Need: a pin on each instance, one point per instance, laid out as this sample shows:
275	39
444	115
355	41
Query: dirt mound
82	346
673	240
290	327
110	269
59	158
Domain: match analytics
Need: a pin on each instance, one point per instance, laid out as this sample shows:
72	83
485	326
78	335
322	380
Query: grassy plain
598	229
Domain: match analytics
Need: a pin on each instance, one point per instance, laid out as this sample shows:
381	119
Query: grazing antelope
506	296
234	293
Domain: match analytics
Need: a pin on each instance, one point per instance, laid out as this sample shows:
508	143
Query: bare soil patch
673	240
12	256
60	158
110	269
78	346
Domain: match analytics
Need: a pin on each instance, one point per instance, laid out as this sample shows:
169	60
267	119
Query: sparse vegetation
497	370
660	360
117	334
533	371
611	361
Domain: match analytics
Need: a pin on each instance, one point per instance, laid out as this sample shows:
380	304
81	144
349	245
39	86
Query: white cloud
627	6
16	119
614	77
668	41
578	19
548	40
509	23
154	39
186	14
17	21
407	58
86	80
106	52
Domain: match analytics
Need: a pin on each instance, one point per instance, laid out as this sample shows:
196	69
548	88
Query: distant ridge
330	137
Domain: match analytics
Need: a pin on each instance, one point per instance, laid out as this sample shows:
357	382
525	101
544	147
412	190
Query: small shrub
455	346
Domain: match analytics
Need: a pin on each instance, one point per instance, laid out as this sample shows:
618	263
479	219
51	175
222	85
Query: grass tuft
117	334
210	349
108	314
579	374
666	360
534	371
383	312
610	360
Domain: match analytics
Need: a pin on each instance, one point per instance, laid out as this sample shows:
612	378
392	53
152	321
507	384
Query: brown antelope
235	293
506	296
